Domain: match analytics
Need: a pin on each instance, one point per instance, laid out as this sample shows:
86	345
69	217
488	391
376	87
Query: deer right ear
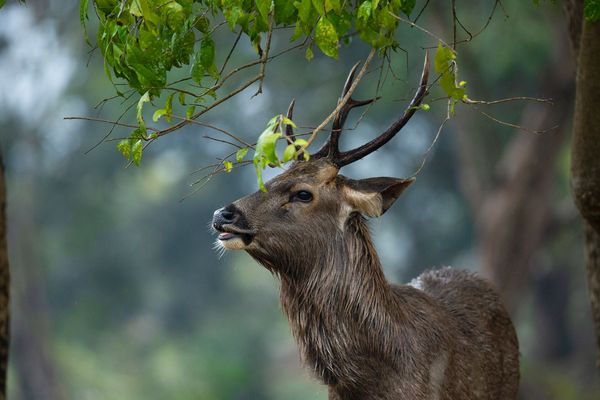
374	196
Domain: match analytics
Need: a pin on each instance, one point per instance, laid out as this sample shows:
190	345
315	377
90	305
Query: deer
444	336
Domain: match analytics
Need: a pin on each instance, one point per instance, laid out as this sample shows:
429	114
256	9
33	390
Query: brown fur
444	336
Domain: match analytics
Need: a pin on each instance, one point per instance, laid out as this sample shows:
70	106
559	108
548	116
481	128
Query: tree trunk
585	166
4	287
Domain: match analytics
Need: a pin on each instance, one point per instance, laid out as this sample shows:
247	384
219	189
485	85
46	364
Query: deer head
311	202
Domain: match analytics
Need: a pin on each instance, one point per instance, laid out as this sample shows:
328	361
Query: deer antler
289	130
331	149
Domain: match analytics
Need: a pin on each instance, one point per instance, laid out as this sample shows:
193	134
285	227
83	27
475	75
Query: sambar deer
444	336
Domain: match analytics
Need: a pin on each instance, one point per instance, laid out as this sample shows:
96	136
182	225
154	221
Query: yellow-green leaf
326	37
125	148
189	113
289	153
309	53
240	154
136	152
158	113
287	121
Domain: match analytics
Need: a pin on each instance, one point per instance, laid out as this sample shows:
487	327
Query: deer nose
223	216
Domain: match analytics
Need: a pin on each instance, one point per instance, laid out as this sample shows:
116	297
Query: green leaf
259	178
284	11
443	56
309	53
136	152
364	11
289	153
240	154
304	7
333	5
189	113
169	107
263	7
300	142
228	166
83	17
591	10
326	38
287	121
205	59
140	105
319	6
407	6
265	148
207	51
445	66
232	16
139	133
125	148
158	113
203	24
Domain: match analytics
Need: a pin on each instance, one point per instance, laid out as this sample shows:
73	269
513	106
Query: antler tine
289	130
348	157
330	148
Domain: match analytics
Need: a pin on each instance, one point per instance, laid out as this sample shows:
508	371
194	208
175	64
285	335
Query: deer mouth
234	238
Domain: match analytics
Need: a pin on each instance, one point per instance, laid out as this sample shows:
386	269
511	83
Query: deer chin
234	238
232	241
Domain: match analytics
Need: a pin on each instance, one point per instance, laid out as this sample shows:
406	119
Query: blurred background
117	292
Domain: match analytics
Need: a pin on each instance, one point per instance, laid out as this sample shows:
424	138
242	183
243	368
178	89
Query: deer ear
373	196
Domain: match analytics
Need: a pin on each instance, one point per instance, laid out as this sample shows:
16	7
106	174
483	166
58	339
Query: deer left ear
373	196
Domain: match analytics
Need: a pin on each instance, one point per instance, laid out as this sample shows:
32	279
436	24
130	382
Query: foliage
445	65
591	10
266	152
142	41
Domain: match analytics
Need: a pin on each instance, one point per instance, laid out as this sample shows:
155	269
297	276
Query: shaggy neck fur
339	306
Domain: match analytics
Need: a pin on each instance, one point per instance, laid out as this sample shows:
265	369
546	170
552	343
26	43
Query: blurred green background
118	292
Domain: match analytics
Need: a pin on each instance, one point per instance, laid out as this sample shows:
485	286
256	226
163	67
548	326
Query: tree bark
4	287
585	167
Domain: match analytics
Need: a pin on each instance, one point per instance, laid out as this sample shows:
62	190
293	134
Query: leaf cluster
141	41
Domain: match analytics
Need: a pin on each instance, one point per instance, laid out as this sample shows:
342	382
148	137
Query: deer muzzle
234	233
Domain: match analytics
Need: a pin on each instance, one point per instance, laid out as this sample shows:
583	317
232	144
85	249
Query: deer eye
303	196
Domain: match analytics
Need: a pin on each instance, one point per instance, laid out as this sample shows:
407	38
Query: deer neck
341	305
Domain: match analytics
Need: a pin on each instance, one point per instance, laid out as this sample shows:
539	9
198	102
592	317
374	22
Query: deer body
445	336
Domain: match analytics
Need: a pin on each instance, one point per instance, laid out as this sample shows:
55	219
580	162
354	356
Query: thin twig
265	56
489	20
421	11
409	22
213	105
342	102
509	99
522	128
223	131
106	121
454	19
435	139
111	130
222	141
237	39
